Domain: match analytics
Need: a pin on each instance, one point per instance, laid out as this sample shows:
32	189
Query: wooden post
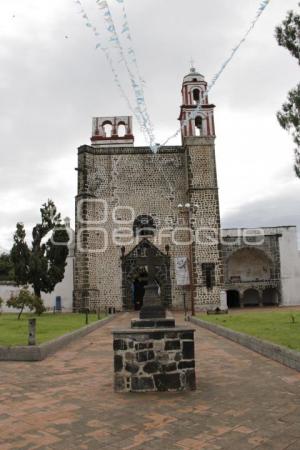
31	331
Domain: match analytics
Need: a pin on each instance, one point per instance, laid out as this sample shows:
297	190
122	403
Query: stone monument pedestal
154	354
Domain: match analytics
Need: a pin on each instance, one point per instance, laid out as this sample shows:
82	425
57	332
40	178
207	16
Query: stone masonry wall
154	360
152	184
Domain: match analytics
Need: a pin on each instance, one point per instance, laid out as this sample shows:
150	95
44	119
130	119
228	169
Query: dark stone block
188	350
132	368
145	356
191	379
143	324
166	323
119	383
119	344
186	364
178	356
167	381
118	363
151	354
157	335
187	335
142	356
172	345
142	346
171	367
142	384
152	367
153	323
172	335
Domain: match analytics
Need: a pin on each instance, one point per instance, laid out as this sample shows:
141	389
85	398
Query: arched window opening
196	95
199	126
107	127
270	297
121	129
143	226
251	298
233	299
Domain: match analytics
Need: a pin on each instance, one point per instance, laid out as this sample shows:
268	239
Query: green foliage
49	326
288	36
1	302
6	268
273	326
43	265
26	300
20	256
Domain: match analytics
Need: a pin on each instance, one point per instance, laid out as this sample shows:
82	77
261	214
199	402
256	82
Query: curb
283	355
40	352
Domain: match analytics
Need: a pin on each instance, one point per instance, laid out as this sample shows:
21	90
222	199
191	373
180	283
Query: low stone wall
283	355
160	359
40	352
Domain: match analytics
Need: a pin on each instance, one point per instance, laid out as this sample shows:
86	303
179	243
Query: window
143	226
208	274
199	126
196	95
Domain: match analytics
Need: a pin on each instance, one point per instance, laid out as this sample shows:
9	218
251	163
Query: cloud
51	87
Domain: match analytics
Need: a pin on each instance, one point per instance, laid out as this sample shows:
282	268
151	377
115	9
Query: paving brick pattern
243	401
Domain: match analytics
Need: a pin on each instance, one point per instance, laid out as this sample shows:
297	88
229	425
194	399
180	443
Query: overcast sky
53	81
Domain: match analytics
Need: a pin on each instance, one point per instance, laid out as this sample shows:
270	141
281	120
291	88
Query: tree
20	256
6	268
26	299
42	266
288	36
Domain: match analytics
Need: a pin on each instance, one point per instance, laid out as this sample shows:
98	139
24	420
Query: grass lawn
275	326
48	326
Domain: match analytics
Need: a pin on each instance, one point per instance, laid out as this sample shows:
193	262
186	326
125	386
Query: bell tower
197	114
198	140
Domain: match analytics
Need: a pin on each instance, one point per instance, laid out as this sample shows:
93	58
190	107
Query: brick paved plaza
243	401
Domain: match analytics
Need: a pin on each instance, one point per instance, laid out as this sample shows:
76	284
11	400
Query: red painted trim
112	138
208	125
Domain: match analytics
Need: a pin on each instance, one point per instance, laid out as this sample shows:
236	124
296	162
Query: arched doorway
270	297
233	299
138	288
251	298
143	258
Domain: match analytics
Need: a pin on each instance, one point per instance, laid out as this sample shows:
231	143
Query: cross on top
192	64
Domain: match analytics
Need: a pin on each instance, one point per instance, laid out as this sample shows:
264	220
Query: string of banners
133	58
100	45
134	76
200	109
137	82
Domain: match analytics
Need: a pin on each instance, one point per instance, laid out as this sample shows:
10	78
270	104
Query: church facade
142	214
139	211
